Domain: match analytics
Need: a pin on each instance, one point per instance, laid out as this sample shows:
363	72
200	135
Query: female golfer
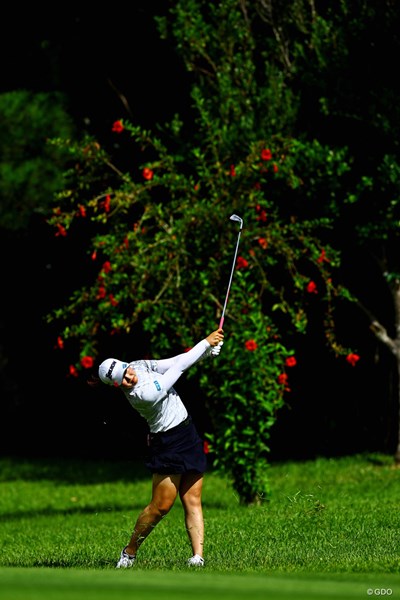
176	456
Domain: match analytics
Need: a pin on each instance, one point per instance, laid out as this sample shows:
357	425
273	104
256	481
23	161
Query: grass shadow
72	471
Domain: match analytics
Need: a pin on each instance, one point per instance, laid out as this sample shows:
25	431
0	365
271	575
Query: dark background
96	58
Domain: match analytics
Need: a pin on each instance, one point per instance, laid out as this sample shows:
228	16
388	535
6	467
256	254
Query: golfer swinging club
176	457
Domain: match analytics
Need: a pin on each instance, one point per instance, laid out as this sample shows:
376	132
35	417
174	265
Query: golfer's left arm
172	368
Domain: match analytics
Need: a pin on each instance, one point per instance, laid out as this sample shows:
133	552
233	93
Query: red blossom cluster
266	154
291	361
61	230
322	257
251	345
106	204
261	213
352	359
148	174
312	287
118	127
263	243
283	378
87	362
241	263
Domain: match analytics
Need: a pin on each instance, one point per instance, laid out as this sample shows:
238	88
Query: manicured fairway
74	584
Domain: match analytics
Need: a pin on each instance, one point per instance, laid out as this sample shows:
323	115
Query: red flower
147	174
107	203
262	214
241	263
113	300
266	154
117	127
206	447
73	371
275	168
283	379
312	288
87	362
322	257
232	171
106	267
263	243
82	210
94	254
291	361
352	359
251	345
101	293
60	343
61	230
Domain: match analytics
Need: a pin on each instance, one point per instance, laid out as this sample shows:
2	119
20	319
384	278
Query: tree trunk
393	344
396	296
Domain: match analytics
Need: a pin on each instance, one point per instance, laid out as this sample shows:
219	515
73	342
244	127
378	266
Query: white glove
215	350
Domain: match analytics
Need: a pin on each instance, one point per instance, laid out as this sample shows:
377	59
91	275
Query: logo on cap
110	370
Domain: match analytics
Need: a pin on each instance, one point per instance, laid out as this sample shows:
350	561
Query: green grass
330	530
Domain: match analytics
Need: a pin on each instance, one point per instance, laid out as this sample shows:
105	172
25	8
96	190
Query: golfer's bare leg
190	493
164	492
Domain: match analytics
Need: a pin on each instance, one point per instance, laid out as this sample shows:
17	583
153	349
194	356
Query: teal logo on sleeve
158	386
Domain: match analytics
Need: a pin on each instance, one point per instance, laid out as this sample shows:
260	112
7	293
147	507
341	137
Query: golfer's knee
161	508
191	501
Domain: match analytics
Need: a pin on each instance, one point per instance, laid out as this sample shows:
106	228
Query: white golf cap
112	371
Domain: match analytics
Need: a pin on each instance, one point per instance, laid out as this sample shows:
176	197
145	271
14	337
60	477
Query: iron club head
238	219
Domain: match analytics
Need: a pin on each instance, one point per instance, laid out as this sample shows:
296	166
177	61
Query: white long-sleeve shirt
154	396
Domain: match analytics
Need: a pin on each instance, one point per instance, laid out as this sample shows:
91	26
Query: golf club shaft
221	322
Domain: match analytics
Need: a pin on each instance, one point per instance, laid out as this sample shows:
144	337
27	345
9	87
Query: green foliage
31	170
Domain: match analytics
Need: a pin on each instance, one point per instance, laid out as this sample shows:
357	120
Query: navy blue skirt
176	451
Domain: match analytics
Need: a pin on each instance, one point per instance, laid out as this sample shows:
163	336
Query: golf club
238	220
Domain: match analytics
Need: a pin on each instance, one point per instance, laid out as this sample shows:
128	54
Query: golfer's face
130	378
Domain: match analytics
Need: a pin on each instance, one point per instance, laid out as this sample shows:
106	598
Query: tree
30	169
357	102
159	232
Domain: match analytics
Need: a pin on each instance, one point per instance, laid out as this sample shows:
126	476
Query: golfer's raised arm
172	368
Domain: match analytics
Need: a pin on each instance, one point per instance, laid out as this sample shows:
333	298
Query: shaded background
112	66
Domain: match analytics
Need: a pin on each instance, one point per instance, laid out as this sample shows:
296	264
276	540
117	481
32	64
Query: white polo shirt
154	396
